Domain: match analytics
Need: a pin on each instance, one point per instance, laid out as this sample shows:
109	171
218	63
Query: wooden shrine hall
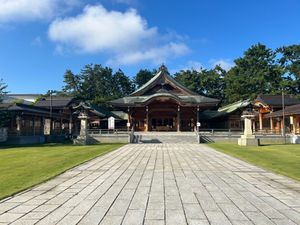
162	104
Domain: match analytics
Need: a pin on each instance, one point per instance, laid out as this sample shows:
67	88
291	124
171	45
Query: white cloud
124	36
226	64
157	55
29	10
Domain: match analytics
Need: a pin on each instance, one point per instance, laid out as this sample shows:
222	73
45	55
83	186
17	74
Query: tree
190	79
97	84
3	91
212	82
290	62
254	73
205	82
4	114
143	76
72	83
122	84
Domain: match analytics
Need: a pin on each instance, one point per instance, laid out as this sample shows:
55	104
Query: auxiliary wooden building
162	104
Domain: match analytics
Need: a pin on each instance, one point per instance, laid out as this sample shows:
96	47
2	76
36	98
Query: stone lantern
248	138
83	116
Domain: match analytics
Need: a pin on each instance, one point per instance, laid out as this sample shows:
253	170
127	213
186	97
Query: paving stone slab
156	184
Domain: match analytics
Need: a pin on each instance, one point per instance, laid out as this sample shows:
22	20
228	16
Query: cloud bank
124	36
32	10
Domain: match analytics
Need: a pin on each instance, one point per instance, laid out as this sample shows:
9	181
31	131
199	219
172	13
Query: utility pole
283	116
51	122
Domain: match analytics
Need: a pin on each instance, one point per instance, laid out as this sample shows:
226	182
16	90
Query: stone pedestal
82	139
295	139
248	139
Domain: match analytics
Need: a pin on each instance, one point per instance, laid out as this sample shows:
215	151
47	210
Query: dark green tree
255	73
190	79
72	83
205	82
122	84
212	82
97	84
142	77
4	114
290	62
3	91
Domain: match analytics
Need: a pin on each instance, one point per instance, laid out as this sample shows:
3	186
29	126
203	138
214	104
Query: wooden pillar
42	125
260	121
33	126
19	124
278	125
281	126
147	119
129	119
294	120
271	124
70	124
297	118
178	118
61	125
197	123
253	126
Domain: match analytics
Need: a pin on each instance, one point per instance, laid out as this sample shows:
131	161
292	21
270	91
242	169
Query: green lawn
282	159
23	167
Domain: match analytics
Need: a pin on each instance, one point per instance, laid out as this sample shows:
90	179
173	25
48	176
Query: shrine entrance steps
165	137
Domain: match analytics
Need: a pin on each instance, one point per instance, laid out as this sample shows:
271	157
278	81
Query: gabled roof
288	111
89	108
25	108
225	110
56	102
162	82
235	106
276	100
10	100
136	100
162	76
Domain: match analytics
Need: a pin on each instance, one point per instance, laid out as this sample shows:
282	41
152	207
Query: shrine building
162	104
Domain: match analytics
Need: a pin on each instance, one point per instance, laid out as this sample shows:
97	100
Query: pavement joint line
110	185
128	208
193	181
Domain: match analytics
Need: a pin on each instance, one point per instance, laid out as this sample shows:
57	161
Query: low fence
109	136
216	132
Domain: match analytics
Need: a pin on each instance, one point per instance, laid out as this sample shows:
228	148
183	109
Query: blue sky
40	39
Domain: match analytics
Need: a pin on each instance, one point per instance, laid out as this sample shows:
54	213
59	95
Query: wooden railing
227	132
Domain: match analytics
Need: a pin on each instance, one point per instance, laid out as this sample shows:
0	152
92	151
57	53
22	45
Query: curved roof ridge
147	83
162	72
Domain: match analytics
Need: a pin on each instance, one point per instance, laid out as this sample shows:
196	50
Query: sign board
291	120
111	123
198	124
128	124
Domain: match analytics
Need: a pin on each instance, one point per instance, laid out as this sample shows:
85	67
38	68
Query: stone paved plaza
156	184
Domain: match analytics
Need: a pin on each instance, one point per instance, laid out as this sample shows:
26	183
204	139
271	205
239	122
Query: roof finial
163	68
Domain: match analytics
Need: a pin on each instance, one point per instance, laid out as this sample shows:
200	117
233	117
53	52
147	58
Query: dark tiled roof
276	100
57	102
194	99
161	75
184	96
25	108
289	111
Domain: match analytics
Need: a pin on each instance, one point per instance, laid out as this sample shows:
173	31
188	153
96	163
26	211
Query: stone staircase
165	137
